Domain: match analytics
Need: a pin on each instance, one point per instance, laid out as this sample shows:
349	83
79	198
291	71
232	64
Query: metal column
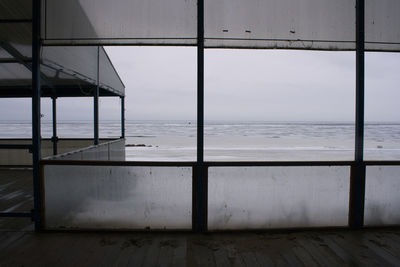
36	154
122	116
96	103
357	179
54	139
200	183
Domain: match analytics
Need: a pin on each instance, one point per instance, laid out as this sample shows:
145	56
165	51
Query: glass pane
117	197
161	110
382	198
277	197
382	109
270	105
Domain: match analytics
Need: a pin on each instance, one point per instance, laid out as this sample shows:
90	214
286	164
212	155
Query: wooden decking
310	248
20	246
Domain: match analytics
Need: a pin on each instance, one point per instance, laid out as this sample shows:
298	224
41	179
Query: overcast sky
251	85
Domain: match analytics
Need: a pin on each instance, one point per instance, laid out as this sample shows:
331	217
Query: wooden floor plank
180	252
152	252
367	248
133	251
358	251
141	245
249	259
166	252
221	257
263	259
346	256
318	253
391	241
304	256
291	258
201	253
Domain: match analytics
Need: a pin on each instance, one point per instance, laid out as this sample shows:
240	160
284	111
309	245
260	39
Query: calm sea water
224	140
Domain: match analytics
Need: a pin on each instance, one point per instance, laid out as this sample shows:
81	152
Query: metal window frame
200	185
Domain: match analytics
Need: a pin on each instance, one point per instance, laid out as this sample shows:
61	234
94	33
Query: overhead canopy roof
71	69
65	70
282	24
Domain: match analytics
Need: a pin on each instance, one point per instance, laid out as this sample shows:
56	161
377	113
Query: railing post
96	103
200	179
36	88
122	116
54	139
357	179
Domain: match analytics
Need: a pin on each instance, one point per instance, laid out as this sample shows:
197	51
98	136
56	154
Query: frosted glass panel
117	150
77	60
121	21
99	152
382	195
75	155
303	24
12	74
108	76
114	150
117	197
81	62
277	197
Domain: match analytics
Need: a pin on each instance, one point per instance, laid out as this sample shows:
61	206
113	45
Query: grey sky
270	85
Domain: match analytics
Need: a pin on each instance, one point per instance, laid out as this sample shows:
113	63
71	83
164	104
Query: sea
149	140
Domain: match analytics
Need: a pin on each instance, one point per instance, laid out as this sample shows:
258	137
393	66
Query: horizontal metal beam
118	163
13	60
16	146
59	91
15	20
277	163
218	163
16	214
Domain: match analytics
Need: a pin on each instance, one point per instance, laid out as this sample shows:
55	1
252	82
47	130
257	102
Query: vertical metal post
54	139
122	116
96	103
357	179
36	138
200	179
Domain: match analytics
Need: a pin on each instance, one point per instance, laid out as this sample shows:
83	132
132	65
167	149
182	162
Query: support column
200	183
36	138
96	103
122	116
357	179
54	139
